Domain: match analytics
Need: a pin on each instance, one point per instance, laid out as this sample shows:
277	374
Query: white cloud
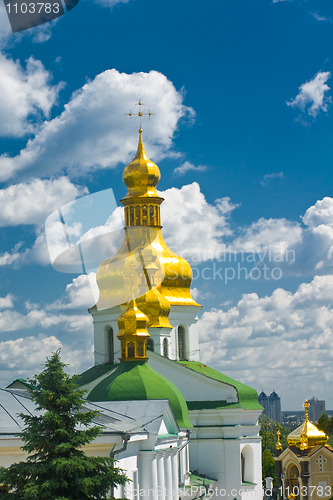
24	357
11	321
7	302
9	258
278	234
78	294
192	227
318	17
274	175
187	167
93	133
313	95
25	95
32	202
283	337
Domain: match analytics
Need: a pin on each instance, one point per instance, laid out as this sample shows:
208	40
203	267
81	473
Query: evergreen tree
57	468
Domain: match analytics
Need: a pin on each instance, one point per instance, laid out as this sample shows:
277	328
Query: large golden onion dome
168	275
307	435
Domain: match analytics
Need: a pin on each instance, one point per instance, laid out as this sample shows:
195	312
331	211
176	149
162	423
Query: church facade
224	446
177	427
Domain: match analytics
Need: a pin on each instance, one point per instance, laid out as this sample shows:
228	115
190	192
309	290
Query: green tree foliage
268	430
325	424
268	465
57	468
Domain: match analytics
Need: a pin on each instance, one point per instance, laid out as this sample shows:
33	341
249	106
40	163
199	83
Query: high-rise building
271	405
316	409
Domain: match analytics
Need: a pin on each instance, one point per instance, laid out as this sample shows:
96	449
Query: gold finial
278	444
304	439
140	114
306	406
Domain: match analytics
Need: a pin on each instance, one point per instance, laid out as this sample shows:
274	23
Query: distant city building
271	405
316	409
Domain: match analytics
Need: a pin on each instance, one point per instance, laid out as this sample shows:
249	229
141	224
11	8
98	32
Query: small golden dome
307	435
133	333
141	176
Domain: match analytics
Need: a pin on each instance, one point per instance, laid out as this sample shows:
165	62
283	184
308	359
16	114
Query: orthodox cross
141	114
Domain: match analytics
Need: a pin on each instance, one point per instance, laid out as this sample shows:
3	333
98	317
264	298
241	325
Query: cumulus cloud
80	294
11	321
191	226
187	167
93	133
7	302
285	337
23	357
32	202
26	96
313	97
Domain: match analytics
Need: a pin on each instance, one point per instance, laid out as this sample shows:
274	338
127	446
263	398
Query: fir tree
57	468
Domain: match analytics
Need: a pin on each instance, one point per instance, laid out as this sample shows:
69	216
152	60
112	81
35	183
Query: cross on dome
141	114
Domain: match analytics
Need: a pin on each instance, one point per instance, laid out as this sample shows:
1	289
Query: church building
176	426
305	468
155	337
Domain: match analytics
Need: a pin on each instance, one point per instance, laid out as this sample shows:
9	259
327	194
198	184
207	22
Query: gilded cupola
164	278
307	435
133	333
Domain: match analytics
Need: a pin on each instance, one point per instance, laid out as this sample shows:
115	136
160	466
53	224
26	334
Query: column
168	476
145	476
160	476
154	481
175	476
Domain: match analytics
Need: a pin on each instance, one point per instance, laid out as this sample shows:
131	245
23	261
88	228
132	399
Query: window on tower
165	347
109	345
131	350
181	343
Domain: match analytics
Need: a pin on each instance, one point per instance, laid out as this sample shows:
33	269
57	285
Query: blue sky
242	133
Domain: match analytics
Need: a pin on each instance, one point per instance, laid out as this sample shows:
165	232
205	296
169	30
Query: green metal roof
247	397
95	372
136	380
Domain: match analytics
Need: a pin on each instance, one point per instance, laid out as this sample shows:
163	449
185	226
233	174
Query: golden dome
133	333
141	176
307	435
143	236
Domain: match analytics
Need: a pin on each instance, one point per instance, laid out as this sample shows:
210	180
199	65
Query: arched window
150	344
165	347
137	216
140	349
131	350
144	215
247	465
132	216
156	216
181	343
109	345
126	217
151	215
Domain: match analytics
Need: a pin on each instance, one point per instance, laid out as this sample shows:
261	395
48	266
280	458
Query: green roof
95	372
136	380
247	397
